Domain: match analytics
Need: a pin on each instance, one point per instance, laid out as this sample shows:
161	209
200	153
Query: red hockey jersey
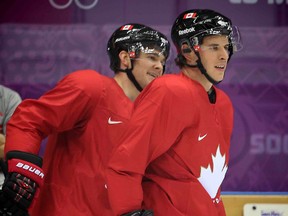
181	142
82	116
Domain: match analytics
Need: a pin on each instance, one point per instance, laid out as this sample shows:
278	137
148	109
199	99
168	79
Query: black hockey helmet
191	26
133	38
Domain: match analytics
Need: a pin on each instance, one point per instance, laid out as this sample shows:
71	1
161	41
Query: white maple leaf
212	179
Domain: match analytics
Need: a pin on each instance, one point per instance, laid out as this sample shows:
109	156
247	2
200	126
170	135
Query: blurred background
41	41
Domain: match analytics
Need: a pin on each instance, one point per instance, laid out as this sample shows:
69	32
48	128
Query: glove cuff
32	158
26	164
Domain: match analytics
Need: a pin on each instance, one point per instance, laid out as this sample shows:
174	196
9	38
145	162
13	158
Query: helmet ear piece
189	50
196	48
186	50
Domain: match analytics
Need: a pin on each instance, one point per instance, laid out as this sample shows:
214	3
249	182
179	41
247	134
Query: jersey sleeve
66	106
155	124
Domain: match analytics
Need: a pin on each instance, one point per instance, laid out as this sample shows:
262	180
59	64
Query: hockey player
178	137
81	116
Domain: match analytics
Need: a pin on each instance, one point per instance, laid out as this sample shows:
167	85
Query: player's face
214	55
148	66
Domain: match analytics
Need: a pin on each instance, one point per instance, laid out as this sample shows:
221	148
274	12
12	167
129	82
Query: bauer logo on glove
16	166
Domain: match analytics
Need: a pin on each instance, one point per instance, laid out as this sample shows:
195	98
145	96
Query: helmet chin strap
204	71
132	78
199	65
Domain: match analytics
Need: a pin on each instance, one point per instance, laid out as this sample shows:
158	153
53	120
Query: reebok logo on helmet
122	38
186	31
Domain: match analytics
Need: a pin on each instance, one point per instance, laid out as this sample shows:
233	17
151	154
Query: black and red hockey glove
140	213
21	183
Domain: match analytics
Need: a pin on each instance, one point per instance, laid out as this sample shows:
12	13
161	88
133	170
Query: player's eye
214	47
152	57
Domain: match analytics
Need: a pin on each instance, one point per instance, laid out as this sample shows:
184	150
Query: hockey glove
21	183
140	213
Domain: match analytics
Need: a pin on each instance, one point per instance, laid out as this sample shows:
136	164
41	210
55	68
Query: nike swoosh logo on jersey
201	137
113	122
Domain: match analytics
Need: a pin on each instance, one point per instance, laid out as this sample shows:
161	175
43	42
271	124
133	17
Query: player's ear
125	61
188	54
186	49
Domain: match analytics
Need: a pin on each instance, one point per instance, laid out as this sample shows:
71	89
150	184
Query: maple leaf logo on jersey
212	179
